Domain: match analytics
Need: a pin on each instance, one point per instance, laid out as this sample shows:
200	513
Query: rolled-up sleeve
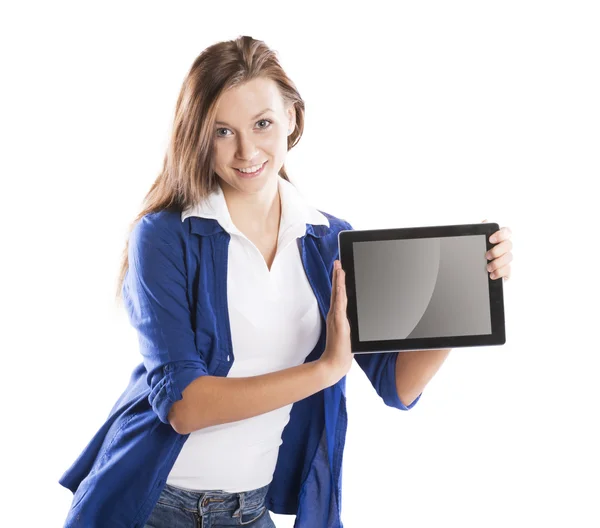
380	368
155	296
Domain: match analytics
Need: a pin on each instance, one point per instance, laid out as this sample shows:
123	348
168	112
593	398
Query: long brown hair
186	177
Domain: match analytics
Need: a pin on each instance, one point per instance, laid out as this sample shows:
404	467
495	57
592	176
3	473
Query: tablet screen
422	287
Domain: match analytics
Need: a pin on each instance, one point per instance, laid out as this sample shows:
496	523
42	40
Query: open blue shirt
175	293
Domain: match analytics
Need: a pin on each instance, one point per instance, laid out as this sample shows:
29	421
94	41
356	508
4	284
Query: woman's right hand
337	357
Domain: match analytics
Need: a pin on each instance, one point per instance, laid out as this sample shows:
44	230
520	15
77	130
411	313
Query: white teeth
251	169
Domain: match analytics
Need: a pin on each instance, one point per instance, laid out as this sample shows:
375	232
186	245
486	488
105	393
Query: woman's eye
264	121
268	121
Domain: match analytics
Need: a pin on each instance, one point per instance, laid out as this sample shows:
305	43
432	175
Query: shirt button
227	358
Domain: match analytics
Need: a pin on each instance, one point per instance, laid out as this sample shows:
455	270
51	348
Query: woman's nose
246	150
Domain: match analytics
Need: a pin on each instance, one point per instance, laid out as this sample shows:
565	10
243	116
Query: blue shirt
176	298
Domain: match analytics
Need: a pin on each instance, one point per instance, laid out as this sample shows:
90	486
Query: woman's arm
414	370
213	400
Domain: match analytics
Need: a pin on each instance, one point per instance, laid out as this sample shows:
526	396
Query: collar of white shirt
296	212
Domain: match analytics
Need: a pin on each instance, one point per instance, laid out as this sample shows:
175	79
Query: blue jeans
179	508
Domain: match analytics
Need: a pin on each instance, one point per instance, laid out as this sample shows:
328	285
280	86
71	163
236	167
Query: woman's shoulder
336	224
164	225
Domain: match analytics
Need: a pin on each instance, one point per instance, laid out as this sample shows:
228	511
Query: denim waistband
212	500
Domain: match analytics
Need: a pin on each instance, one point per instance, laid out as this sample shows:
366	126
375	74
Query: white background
417	113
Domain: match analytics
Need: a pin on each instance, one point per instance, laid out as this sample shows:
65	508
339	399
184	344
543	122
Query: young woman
233	283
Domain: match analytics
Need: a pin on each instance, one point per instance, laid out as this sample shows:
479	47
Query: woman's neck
258	214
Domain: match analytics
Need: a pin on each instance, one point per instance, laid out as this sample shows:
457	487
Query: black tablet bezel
347	237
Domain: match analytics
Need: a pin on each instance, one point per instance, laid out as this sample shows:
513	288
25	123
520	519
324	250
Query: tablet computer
420	288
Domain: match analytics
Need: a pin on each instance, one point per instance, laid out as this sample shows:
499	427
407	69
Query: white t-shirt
275	324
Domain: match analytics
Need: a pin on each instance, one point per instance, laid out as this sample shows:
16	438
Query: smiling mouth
260	167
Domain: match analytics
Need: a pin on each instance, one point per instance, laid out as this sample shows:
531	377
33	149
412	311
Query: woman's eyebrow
251	119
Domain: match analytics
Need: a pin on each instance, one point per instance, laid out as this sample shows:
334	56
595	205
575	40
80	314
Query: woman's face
247	134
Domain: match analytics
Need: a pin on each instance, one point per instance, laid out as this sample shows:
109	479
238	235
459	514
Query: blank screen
426	287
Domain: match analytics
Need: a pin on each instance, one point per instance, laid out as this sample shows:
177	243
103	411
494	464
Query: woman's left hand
500	255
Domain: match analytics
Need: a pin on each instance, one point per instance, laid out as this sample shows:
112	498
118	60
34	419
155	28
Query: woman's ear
291	119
